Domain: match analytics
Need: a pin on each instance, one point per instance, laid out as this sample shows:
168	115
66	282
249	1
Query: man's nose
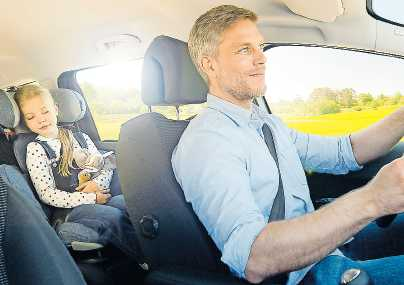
260	58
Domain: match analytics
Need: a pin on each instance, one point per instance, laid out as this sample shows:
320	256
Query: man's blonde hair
206	33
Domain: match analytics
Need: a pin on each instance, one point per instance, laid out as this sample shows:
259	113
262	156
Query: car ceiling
40	39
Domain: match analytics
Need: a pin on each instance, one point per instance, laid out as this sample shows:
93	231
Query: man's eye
29	118
244	50
45	112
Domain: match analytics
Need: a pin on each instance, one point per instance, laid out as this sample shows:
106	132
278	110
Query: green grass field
333	124
108	126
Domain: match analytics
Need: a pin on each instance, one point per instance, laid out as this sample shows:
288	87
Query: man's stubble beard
241	91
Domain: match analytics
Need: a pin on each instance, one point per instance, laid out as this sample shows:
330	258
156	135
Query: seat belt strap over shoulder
278	207
80	139
50	153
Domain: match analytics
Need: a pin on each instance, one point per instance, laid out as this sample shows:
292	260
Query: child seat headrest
71	104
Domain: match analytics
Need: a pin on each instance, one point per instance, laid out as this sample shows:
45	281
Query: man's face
240	61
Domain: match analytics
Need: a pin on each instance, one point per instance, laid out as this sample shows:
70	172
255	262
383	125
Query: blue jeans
375	250
110	222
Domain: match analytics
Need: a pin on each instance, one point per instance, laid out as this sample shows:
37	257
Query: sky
296	70
390	10
114	75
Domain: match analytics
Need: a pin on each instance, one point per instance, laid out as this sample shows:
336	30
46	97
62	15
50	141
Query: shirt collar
46	139
238	114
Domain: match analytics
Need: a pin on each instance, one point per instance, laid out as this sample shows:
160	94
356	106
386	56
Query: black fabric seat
33	254
153	195
6	149
175	244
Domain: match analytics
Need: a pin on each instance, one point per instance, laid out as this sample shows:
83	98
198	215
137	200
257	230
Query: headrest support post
149	108
177	111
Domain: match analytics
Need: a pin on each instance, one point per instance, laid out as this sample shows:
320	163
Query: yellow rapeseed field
337	124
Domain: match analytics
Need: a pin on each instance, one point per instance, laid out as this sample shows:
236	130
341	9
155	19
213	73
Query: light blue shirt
229	176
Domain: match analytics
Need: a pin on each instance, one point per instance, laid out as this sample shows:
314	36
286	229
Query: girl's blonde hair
64	135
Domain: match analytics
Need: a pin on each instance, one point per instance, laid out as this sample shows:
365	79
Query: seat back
170	232
3	219
33	252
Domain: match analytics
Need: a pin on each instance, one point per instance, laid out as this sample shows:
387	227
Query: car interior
55	43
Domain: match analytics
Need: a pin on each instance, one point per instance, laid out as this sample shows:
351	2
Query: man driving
242	170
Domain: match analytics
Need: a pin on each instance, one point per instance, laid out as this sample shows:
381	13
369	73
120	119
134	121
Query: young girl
54	174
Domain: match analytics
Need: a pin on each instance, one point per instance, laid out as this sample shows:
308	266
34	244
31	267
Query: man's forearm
292	244
378	138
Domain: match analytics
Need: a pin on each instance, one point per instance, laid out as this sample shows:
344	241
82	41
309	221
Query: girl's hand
89	187
102	197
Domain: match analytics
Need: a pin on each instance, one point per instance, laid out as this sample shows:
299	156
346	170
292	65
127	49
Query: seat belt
278	207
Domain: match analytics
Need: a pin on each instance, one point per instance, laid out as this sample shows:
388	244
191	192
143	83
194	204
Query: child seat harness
63	183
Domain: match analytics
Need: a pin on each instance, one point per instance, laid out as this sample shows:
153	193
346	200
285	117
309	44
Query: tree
324	106
397	97
328	107
382	99
88	90
345	97
323	93
365	99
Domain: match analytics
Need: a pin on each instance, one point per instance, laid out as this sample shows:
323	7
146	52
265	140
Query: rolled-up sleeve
212	171
237	248
325	154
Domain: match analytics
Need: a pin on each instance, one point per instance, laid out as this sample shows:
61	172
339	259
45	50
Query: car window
331	91
388	11
113	94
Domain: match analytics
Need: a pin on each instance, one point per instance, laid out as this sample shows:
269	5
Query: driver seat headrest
71	105
169	77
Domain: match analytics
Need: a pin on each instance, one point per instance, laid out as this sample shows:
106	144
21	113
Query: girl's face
39	114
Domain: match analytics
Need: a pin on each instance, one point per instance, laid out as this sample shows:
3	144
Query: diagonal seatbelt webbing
278	207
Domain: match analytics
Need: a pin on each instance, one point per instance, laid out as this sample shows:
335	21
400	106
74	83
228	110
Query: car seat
71	109
30	251
175	244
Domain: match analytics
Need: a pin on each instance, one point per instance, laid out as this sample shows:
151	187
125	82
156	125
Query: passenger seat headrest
71	105
169	77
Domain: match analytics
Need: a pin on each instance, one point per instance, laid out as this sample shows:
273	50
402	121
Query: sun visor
319	10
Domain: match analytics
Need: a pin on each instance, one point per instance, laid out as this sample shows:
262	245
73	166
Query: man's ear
208	66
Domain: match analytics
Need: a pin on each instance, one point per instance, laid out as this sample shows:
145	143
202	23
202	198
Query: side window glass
113	95
330	91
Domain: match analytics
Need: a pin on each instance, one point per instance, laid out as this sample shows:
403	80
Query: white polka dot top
40	171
